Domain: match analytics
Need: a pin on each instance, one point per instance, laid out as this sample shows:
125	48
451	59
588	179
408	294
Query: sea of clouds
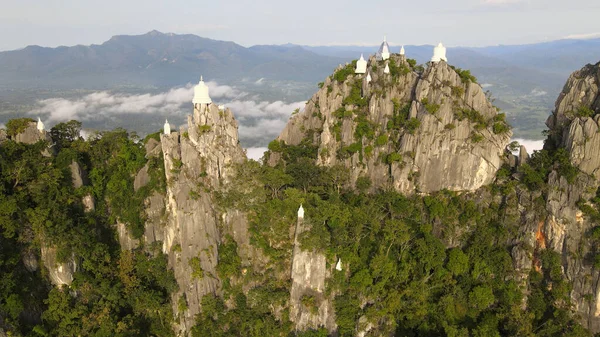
259	121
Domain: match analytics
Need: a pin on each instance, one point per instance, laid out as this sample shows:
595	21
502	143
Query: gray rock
153	148
78	176
523	156
125	239
59	273
309	272
195	164
142	178
565	228
439	155
30	261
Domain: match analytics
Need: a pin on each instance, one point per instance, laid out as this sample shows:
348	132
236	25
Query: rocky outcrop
415	132
574	122
197	160
31	135
310	307
573	126
60	273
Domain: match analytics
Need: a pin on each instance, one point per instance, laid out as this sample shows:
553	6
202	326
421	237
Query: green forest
420	265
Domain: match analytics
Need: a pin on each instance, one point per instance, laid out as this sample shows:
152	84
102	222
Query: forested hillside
179	234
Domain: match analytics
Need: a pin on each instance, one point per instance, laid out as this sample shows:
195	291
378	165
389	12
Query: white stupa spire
338	265
439	53
40	125
386	70
201	93
361	65
384	50
301	212
402	50
369	79
167	128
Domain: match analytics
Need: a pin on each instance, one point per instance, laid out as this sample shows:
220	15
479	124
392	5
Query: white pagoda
384	50
439	53
301	212
361	65
386	70
40	125
201	93
369	79
167	128
402	51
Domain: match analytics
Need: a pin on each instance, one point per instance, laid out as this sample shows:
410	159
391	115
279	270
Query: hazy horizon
66	23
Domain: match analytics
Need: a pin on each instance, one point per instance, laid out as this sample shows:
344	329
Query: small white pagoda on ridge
201	93
439	53
40	125
167	128
384	50
361	65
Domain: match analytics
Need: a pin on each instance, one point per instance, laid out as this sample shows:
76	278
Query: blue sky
313	22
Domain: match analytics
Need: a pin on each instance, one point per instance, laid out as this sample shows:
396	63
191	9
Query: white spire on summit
167	128
384	50
402	50
361	65
439	53
40	125
201	93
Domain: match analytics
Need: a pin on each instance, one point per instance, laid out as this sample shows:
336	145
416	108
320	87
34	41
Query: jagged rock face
196	160
59	273
32	135
309	272
444	151
573	124
566	228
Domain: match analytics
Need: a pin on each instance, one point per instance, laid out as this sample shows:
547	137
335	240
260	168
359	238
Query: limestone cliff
197	159
412	129
573	126
310	307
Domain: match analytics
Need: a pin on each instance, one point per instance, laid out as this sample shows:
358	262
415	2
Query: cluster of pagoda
383	54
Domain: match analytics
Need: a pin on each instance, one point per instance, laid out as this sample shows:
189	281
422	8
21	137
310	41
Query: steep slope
571	225
414	130
197	160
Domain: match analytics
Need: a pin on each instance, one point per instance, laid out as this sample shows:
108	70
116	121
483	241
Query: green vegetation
465	75
119	293
584	111
16	126
204	128
420	265
342	74
432	108
355	97
197	271
412	284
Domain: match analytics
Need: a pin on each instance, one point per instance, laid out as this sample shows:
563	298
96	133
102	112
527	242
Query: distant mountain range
525	79
156	59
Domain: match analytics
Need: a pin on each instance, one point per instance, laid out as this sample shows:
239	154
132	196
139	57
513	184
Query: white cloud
584	36
100	105
260	121
531	145
255	152
538	92
500	2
